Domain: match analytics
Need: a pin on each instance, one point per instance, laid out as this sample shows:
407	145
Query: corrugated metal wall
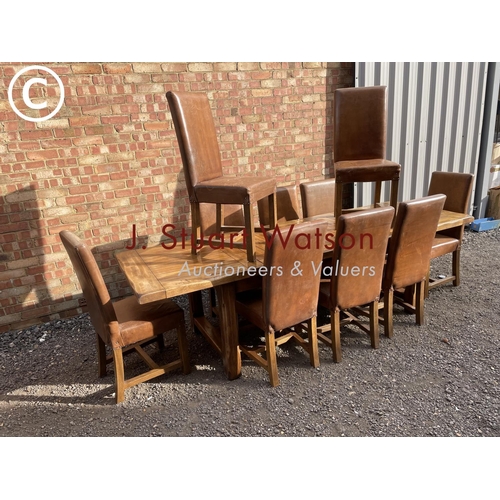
435	114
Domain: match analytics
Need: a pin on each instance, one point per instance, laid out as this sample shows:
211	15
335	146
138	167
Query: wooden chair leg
119	375
313	342
272	365
218	218
101	357
394	195
335	327
409	295
195	307
273	212
195	226
388	310
427	279
419	305
183	348
338	200
161	342
378	193
249	227
374	337
213	302
456	266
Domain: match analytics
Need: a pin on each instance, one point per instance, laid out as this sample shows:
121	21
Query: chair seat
139	322
443	245
370	170
238	190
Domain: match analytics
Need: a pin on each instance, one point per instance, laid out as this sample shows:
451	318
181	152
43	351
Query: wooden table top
447	219
157	273
453	219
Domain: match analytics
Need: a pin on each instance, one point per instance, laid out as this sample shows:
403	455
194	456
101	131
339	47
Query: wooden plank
453	219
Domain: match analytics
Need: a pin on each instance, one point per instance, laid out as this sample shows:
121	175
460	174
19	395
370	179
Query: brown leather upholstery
443	245
410	252
318	197
286	300
357	271
196	135
458	189
360	134
456	186
366	171
287	205
124	323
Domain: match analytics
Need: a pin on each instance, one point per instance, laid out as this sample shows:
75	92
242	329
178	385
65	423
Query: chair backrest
100	307
290	297
287	205
456	186
195	130
410	246
358	257
318	197
360	123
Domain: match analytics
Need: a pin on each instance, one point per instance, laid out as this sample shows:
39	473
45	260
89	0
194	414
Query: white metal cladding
435	115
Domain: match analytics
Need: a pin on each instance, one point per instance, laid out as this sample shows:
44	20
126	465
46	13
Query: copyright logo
38	92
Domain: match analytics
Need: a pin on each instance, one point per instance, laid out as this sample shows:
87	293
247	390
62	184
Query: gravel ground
441	379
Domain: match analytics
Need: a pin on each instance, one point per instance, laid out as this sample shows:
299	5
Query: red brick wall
109	159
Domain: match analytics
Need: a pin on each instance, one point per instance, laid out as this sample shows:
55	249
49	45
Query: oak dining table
156	273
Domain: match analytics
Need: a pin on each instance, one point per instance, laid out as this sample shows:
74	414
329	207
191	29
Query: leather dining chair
125	325
287	206
196	135
457	187
287	298
409	254
356	273
359	137
318	197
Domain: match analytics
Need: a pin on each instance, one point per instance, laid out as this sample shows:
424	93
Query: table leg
195	306
231	356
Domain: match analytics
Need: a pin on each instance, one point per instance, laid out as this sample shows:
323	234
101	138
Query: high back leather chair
287	205
409	253
356	272
318	197
195	130
360	133
458	188
287	297
125	324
